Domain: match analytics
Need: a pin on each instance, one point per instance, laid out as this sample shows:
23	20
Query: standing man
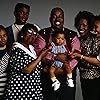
21	13
43	40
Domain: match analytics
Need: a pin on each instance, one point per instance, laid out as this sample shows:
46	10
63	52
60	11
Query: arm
4	63
30	67
39	44
75	47
92	60
21	62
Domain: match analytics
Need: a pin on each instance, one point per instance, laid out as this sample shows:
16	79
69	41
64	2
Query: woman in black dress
24	81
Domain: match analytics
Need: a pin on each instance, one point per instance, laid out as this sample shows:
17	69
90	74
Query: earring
21	36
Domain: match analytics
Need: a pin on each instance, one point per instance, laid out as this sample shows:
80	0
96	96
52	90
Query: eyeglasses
31	31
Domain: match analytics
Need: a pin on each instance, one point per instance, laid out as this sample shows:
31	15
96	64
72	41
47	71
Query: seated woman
24	81
4	56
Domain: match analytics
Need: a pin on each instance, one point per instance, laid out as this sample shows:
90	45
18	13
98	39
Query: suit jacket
11	39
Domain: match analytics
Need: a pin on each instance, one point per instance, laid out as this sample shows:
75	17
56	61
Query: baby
58	46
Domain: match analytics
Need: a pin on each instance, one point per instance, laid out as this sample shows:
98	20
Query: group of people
41	64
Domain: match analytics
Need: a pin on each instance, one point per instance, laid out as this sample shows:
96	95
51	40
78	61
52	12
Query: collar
54	29
30	52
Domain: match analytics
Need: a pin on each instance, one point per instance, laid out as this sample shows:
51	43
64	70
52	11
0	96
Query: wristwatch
81	57
98	58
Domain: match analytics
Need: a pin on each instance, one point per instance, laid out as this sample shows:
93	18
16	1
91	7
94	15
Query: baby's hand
50	47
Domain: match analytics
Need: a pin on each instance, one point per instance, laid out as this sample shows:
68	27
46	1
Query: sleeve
50	55
18	60
98	56
39	44
4	63
10	40
75	46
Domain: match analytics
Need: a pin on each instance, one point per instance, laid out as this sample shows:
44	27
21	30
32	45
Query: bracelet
81	57
98	58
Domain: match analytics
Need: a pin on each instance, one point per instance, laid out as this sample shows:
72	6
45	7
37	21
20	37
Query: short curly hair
3	28
56	32
84	15
19	6
55	9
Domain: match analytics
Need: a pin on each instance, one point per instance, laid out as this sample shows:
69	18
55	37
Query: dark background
40	11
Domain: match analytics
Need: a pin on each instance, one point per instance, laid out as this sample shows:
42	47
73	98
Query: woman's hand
75	55
30	67
44	53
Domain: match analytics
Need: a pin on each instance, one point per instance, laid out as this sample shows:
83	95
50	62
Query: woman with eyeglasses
25	67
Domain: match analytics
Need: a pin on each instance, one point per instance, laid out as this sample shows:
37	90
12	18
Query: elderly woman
24	81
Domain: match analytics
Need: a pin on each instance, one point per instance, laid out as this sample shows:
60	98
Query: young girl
3	60
57	46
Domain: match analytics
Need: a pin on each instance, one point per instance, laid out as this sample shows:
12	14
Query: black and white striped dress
3	73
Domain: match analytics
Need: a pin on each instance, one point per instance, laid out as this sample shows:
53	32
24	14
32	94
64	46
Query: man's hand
61	57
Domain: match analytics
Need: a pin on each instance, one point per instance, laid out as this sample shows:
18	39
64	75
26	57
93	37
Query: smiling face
29	37
97	28
83	27
57	18
3	38
21	16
